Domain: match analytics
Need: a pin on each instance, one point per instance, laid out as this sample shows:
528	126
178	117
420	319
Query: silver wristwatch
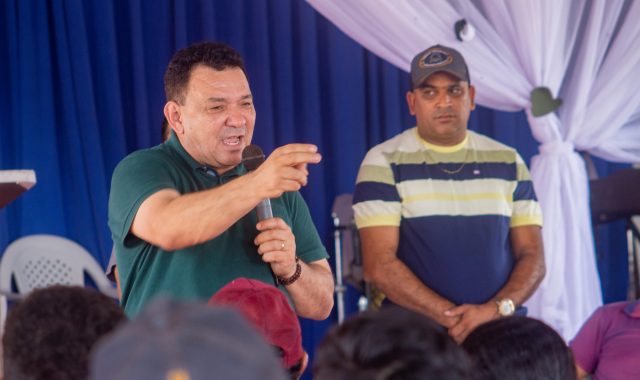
506	307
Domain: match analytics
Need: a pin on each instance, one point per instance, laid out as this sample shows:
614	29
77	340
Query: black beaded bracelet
294	277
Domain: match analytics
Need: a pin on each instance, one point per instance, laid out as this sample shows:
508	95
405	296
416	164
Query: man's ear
173	114
305	363
472	97
411	99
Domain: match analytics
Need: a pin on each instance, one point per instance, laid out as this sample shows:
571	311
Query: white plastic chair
38	261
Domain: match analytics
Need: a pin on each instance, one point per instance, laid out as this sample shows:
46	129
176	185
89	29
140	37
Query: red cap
268	309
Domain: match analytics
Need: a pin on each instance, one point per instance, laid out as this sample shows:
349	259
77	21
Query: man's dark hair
518	348
215	55
390	344
48	336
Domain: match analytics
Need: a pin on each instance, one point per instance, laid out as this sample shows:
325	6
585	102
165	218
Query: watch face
505	307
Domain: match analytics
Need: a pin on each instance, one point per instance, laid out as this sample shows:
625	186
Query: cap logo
435	58
178	374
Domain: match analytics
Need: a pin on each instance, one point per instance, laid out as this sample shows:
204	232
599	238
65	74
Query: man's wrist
256	194
505	307
294	277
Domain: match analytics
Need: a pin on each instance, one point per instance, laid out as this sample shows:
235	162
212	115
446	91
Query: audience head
268	309
390	344
176	340
49	334
215	55
518	348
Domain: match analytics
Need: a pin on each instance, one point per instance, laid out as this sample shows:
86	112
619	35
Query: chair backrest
342	214
615	196
37	261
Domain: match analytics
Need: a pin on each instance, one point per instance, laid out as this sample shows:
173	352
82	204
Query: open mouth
232	140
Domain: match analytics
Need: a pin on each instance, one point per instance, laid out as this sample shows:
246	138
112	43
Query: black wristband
294	277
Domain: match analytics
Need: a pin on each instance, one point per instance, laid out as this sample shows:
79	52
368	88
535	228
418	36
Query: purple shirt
608	344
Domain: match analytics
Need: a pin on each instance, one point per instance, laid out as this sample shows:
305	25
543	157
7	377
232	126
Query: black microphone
252	157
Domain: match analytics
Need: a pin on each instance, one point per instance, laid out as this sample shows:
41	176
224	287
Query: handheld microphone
252	157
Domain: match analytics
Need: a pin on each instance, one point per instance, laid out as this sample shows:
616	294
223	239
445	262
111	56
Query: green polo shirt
197	272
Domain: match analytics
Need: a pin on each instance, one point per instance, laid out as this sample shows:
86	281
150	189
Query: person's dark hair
390	344
518	348
215	55
48	336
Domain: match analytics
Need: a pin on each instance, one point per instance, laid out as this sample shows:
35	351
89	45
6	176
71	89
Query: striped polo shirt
454	207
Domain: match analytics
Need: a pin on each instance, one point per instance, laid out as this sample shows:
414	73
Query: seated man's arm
383	268
173	221
587	345
581	372
527	273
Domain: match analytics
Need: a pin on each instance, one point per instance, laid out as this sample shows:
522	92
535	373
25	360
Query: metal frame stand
340	289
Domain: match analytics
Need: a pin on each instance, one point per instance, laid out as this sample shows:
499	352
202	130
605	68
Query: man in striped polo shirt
449	221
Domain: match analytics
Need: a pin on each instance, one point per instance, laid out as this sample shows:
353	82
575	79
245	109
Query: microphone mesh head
252	157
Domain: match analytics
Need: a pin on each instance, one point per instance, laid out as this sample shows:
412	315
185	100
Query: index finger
298	158
297	147
297	154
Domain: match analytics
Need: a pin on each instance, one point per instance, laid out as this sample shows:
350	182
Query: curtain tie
557	147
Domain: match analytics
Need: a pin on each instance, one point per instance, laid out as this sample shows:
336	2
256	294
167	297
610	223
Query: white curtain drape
585	52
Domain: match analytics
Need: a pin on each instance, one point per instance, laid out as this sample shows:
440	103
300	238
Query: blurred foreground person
176	340
50	334
391	344
608	344
518	348
269	311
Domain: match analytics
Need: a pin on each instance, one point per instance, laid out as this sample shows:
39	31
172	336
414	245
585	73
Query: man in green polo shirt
182	213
